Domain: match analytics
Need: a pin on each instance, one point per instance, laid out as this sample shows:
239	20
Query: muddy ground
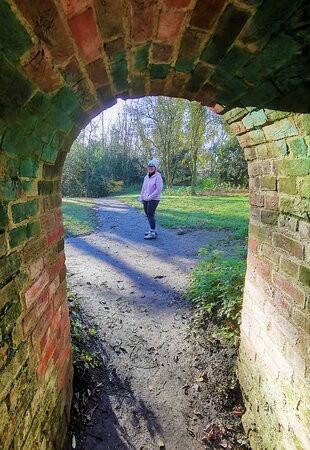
160	385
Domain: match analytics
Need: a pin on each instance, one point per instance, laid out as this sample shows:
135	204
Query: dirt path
157	387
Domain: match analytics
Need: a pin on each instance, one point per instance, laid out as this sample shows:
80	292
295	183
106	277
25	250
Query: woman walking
150	196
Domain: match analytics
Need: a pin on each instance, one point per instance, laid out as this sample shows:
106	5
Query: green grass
226	212
79	216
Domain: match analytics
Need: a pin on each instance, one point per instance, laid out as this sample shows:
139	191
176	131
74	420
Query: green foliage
79	216
213	212
231	167
216	290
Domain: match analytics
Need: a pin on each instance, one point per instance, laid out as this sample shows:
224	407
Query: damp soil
161	383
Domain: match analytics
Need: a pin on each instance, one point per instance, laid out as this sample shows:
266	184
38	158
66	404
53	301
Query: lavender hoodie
152	187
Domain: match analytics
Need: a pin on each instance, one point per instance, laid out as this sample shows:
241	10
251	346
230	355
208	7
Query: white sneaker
150	231
151	235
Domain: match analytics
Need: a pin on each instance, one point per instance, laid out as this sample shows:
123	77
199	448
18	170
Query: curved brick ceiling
222	53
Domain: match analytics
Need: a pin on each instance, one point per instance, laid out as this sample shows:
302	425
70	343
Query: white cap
153	162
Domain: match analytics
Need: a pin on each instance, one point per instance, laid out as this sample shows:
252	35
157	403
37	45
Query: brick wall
35	345
274	364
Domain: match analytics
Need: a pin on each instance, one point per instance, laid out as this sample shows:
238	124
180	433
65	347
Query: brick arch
61	63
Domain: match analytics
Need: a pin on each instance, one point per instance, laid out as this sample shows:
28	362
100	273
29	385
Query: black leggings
149	209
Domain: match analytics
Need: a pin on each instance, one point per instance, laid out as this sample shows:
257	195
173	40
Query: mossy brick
142	57
268	183
33	229
18	141
9	317
183	65
287	185
9	189
80	117
29	168
233	91
235	114
297	146
119	72
39	104
30	187
14	39
18	236
46	187
159	71
305	188
275	115
281	129
199	76
4	416
3	245
269	217
22	211
252	138
65	100
294	167
12	94
304	275
138	86
12	166
49	154
303	122
9	266
230	65
230	24
277	148
12	369
3	215
254	119
59	119
270	58
45	131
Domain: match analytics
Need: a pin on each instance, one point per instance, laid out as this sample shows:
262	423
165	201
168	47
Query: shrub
216	290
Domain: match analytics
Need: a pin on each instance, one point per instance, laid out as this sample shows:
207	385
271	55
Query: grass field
225	212
79	216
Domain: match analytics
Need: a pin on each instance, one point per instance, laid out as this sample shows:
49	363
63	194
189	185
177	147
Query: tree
195	128
231	167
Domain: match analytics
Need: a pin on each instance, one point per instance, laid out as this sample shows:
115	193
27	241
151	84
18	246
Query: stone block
289	267
28	168
65	100
251	138
159	71
22	211
33	229
271	201
254	119
290	246
289	223
12	94
14	39
46	187
294	167
183	65
304	275
275	115
169	26
304	230
280	130
142	57
18	236
119	72
230	24
269	217
9	190
268	183
297	146
206	13
3	215
305	187
287	185
41	72
303	123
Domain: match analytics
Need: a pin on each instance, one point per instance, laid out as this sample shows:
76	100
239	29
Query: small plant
216	290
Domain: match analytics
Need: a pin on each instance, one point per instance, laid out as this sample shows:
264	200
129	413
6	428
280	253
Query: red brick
97	73
143	20
294	248
51	32
33	293
55	235
85	33
206	13
47	222
253	245
207	94
36	268
57	266
41	325
41	72
296	294
60	296
41	304
283	303
162	52
177	3
45	339
74	6
56	320
157	87
45	359
53	287
170	23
